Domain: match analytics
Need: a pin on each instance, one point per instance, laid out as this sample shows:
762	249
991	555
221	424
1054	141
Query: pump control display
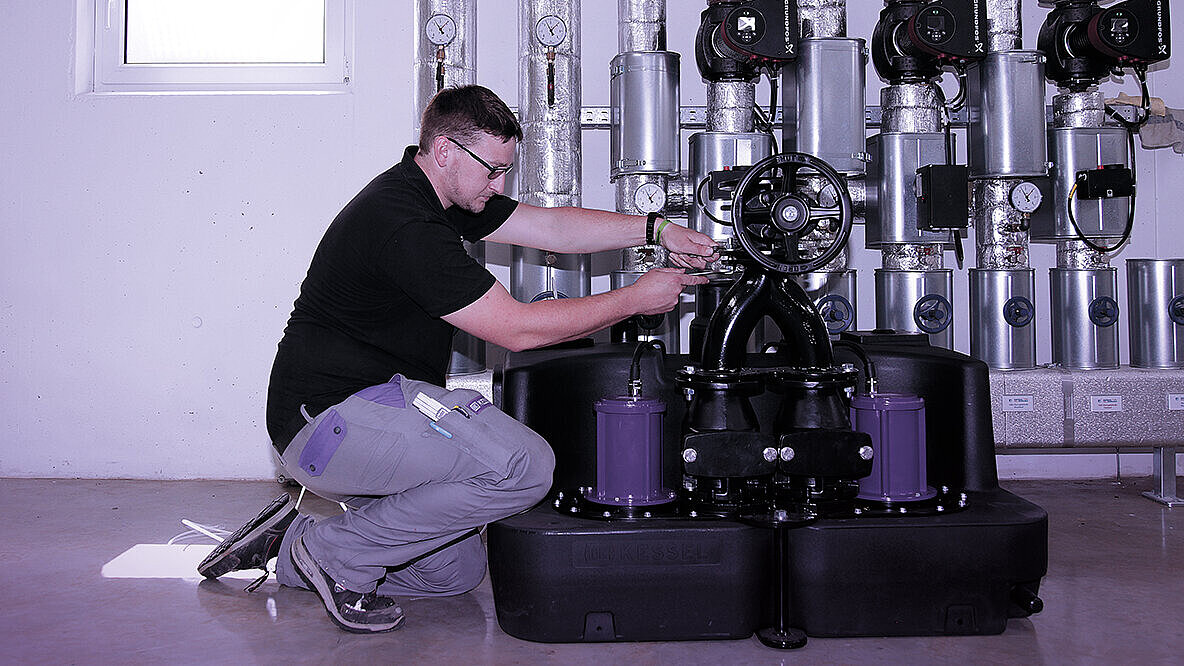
1084	42
1133	32
914	40
763	29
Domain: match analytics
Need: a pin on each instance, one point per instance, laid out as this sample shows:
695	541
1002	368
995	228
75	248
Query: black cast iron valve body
784	226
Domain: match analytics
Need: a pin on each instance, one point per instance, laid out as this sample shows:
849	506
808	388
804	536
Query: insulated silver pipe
446	56
641	25
445	49
822	18
1078	110
1006	95
645	136
729	106
1004	25
549	104
911	108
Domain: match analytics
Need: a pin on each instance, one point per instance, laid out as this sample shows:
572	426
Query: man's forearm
552	321
577	230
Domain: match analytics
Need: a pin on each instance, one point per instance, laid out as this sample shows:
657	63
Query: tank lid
888	401
624	404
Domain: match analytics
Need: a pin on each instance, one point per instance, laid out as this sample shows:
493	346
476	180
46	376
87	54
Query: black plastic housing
1105	182
943	199
562	578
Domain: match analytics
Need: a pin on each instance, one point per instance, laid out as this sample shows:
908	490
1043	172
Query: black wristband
649	228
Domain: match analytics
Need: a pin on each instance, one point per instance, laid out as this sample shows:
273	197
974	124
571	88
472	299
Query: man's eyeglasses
494	172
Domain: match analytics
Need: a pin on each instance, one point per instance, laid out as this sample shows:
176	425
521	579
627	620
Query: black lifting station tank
824	488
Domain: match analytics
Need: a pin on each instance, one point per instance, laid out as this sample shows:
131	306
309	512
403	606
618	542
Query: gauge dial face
440	29
550	30
649	198
1026	197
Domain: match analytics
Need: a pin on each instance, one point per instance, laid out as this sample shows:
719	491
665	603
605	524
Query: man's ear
441	150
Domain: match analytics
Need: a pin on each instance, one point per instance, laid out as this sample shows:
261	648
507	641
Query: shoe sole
310	573
223	559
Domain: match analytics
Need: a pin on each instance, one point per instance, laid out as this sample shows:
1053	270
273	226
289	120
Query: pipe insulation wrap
912	256
1079	109
641	25
549	105
549	156
911	108
1078	256
460	55
729	106
1004	25
1002	243
822	18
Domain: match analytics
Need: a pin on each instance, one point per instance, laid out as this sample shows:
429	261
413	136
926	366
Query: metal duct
1004	25
446	56
822	18
641	25
549	157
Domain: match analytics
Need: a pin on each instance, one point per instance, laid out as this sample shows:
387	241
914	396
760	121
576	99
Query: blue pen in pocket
440	430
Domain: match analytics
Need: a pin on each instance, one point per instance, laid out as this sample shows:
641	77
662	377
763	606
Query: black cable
1130	216
703	206
869	366
635	367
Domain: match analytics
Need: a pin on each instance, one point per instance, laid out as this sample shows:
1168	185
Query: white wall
153	245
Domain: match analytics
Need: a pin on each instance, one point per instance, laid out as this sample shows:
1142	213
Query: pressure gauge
550	30
649	198
1026	196
440	29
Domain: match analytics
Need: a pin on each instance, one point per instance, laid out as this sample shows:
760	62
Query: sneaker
354	612
254	544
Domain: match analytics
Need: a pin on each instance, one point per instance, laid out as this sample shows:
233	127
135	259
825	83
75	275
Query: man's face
469	183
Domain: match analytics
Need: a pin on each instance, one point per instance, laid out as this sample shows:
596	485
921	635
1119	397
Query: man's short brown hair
464	113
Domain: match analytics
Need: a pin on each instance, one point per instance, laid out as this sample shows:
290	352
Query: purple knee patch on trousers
323	443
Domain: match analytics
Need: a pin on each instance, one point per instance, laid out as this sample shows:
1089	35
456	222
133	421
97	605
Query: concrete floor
1114	593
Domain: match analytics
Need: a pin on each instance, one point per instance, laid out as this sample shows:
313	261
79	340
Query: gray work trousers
418	490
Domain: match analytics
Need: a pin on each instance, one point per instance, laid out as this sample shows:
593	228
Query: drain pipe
446	56
645	158
549	103
1007	150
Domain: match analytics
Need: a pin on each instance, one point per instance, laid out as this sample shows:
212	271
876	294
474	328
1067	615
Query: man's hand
688	248
657	291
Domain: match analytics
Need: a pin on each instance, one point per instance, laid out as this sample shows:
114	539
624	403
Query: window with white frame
222	45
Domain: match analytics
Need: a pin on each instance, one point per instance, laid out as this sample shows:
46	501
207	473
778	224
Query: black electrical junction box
1105	182
943	197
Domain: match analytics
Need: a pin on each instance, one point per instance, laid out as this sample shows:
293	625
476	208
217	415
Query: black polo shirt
389	266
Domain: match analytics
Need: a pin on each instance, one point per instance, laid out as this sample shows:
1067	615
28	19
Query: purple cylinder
896	424
629	453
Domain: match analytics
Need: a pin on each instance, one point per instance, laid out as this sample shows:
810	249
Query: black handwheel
772	223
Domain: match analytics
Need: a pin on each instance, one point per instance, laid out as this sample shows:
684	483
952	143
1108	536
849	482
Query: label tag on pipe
1105	403
1019	403
1176	402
